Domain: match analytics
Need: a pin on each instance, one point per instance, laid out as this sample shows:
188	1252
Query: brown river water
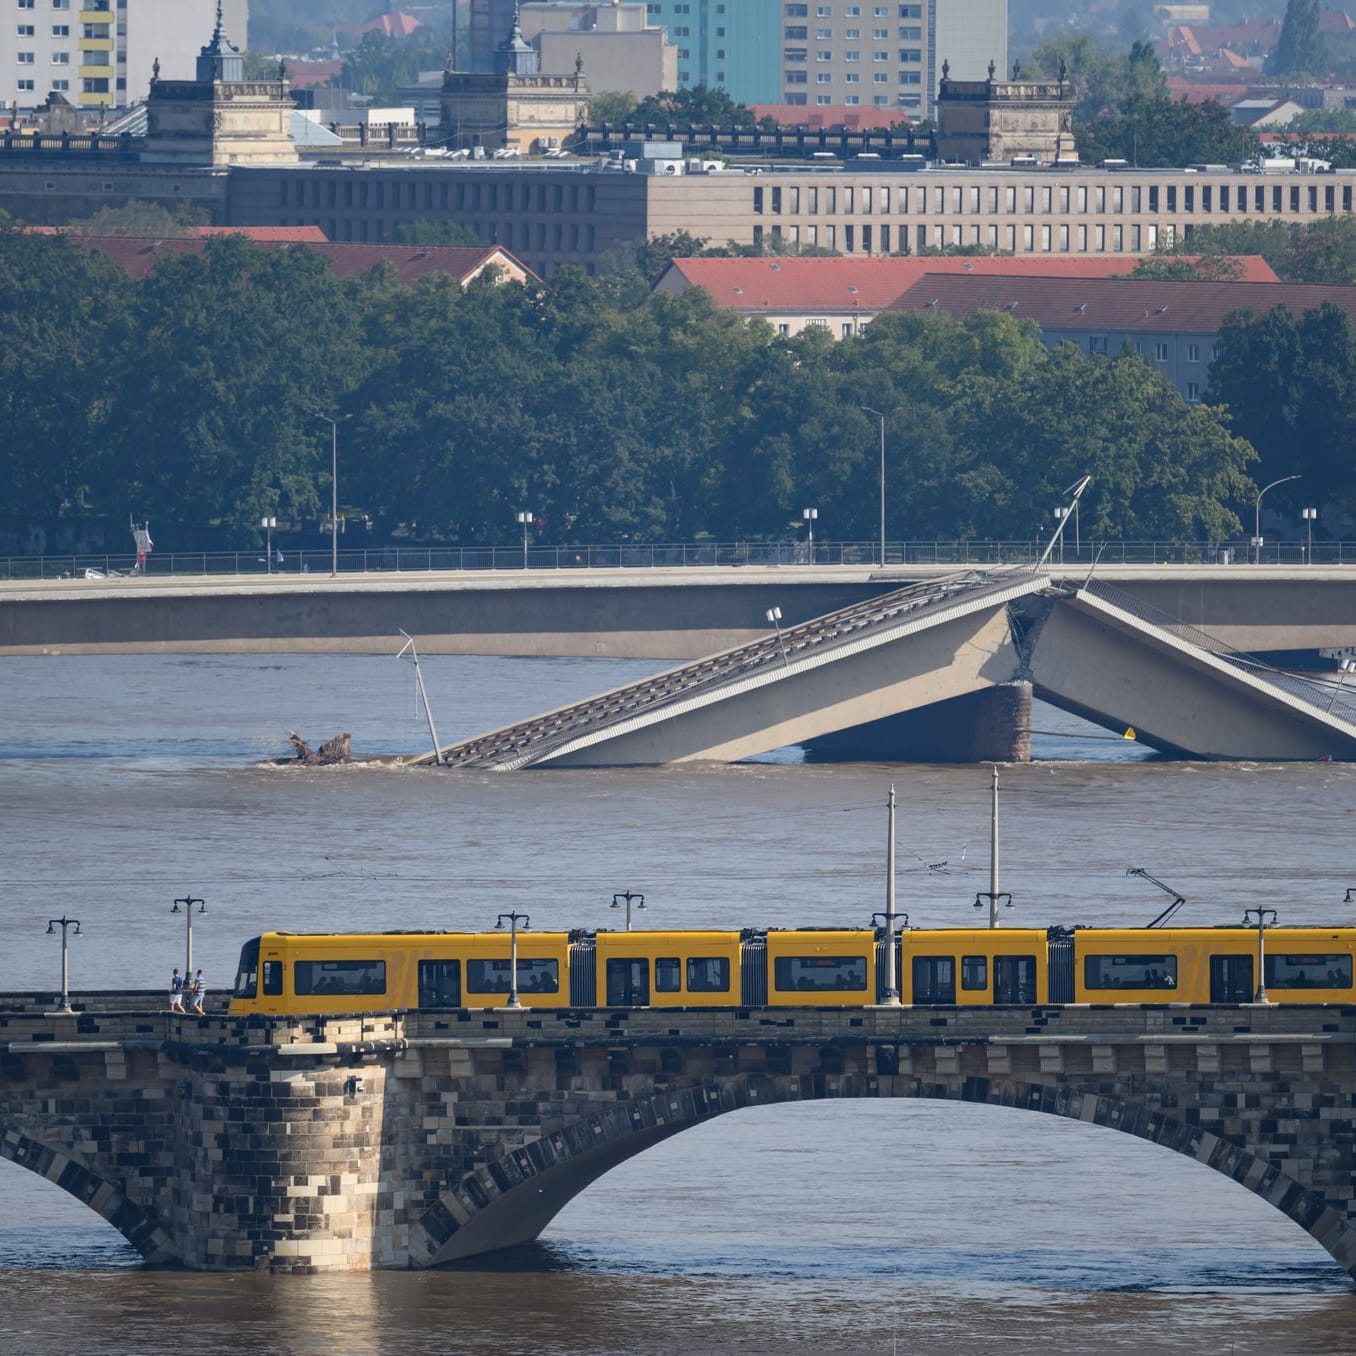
845	1227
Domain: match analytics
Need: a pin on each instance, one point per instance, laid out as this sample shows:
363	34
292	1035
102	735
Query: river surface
838	1227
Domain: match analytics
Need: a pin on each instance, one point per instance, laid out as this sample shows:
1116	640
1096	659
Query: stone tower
219	118
997	119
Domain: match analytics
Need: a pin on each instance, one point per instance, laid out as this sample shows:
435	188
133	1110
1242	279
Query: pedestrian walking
176	991
199	993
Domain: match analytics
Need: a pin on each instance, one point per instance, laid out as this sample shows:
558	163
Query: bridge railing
1330	694
659	555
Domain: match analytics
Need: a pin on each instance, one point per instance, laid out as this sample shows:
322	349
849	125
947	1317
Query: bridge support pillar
992	725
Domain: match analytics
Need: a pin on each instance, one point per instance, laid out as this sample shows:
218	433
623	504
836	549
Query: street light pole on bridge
63	923
1265	918
1257	515
514	919
188	902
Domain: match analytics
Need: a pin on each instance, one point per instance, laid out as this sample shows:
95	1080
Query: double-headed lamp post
625	900
1257	514
525	518
1265	918
1309	514
334	489
185	906
514	920
63	924
810	515
881	417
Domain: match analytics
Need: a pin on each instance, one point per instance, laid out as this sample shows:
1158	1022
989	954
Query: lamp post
881	417
1265	917
525	518
774	615
1309	514
1257	515
63	924
891	994
626	900
187	910
810	514
513	919
334	489
1061	513
268	524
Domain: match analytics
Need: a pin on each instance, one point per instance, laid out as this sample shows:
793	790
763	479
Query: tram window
708	974
492	976
273	977
347	977
1130	972
668	975
934	979
840	974
974	972
247	976
1308	972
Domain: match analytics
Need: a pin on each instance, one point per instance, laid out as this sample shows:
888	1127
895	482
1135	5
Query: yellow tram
312	974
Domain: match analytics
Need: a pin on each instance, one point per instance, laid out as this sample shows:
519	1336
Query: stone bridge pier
410	1140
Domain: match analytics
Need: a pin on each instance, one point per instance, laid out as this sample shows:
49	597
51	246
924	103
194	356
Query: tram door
1231	979
439	984
628	982
1014	979
934	980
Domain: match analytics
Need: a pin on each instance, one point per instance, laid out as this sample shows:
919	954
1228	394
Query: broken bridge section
944	671
851	670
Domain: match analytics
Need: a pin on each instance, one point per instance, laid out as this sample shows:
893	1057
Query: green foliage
699	105
439	232
613	107
141	219
1198	268
1290	385
194	397
1323	251
1299	49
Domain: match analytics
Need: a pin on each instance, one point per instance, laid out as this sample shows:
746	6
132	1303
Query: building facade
619	49
100	53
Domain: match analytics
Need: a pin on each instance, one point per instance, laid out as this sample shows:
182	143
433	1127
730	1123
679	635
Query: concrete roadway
676	613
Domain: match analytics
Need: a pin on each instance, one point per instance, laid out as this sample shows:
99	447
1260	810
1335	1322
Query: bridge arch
141	1229
511	1199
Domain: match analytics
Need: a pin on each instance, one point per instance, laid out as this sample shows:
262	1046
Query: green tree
699	105
436	232
137	218
1299	49
613	107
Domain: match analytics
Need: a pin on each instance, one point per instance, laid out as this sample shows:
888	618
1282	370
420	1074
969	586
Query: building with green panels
732	44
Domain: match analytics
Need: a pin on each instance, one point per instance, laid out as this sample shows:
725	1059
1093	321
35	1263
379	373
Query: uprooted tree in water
334	750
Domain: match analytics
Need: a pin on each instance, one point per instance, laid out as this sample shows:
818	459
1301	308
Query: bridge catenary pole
993	854
891	972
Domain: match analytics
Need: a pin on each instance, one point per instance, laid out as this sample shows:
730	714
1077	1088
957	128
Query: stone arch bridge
411	1139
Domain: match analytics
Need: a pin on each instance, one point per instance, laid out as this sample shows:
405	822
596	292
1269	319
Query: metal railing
962	553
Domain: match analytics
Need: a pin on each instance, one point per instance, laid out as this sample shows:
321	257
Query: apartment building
844	52
94	52
619	47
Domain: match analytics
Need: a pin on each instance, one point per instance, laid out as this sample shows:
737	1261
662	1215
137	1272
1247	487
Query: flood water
837	1227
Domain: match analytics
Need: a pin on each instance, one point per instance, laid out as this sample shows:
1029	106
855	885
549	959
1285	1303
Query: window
64	31
934	979
880	56
910	78
61	84
910	34
1193	392
795	31
911	11
1161	352
66	4
824	78
853	12
25	4
25	58
1130	972
273	978
852	78
61	58
1193	353
1097	344
823	12
824	98
794	54
797	11
880	78
880	34
26	86
796	77
1308	972
339	976
838	974
824	34
26	30
911	54
974	972
852	98
823	56
708	974
847	329
852	56
668	975
851	34
492	976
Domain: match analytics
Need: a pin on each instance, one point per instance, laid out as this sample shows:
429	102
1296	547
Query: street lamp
891	994
63	924
514	919
810	514
1309	515
881	417
1257	514
1265	917
618	901
268	524
187	910
1061	513
334	489
774	615
525	518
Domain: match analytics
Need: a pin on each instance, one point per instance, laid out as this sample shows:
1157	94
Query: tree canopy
198	397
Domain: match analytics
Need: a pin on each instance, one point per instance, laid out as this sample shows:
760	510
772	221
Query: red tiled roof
1119	305
829	117
139	255
799	285
304	74
311	235
391	25
1179	89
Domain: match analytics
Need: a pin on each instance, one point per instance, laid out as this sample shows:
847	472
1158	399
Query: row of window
89	86
995	199
803	54
66	4
794	32
60	31
851	78
879	100
1160	972
1062	239
853	11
